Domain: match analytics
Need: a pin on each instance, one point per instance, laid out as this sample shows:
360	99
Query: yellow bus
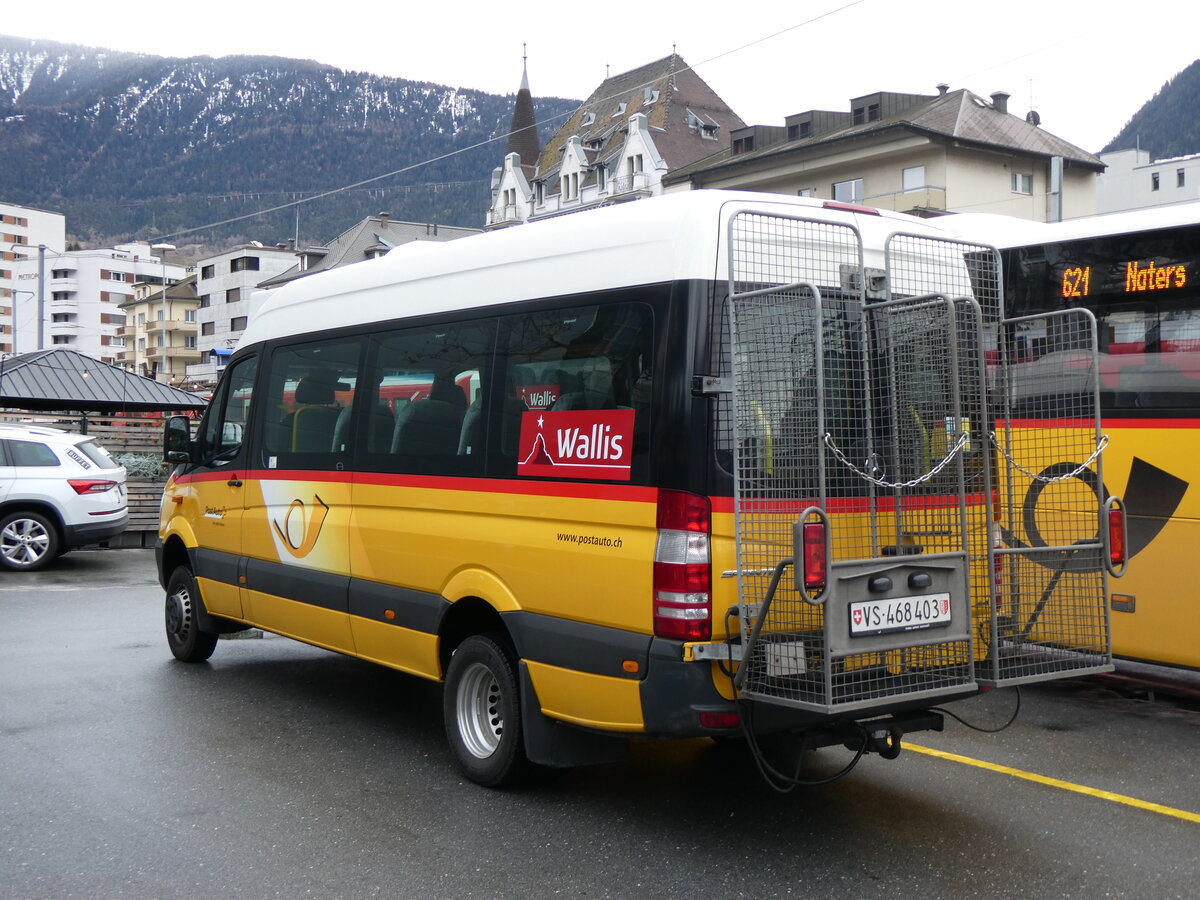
1139	273
707	465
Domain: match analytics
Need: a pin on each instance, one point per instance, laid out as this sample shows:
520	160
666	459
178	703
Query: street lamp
163	248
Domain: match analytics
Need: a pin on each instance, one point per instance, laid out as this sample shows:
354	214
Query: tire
28	541
482	709
187	641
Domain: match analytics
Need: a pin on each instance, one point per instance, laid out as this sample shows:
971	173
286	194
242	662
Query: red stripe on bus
438	482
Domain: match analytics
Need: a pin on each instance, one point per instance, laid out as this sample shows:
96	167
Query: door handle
234	482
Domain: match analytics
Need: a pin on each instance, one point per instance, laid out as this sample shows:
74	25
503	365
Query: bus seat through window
432	426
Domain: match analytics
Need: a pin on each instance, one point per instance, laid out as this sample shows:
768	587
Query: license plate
899	614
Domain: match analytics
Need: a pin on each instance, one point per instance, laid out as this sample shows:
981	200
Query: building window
244	264
189	341
208	271
64	339
205	301
60	273
914	178
1180	177
189	315
601	179
1154	181
873	113
635	164
61	295
233	295
540	193
806	192
207	327
141	344
1022	183
848	191
141	319
743	145
237	323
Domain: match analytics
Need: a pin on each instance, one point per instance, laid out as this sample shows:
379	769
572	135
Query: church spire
522	133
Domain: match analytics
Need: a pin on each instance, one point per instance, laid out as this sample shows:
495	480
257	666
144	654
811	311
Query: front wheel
187	641
28	541
482	711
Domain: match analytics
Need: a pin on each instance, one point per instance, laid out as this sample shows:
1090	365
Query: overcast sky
1085	66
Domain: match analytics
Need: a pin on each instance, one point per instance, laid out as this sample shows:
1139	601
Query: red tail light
90	485
682	567
813	541
1116	535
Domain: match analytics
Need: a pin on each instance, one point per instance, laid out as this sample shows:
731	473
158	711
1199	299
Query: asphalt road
281	770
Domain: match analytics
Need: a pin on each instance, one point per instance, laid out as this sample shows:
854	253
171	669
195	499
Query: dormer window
620	110
601	179
649	97
588	119
705	126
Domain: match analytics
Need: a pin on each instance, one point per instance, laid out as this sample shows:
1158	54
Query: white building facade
84	290
1135	181
225	285
22	230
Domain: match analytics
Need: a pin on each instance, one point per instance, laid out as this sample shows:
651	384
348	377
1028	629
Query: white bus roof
1007	231
670	238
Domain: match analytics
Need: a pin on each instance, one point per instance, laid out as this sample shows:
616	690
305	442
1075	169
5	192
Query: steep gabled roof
664	91
66	380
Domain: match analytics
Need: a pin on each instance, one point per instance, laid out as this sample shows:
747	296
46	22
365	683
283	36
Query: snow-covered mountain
131	145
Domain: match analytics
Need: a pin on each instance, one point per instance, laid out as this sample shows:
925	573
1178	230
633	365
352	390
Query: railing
638	182
509	213
926	197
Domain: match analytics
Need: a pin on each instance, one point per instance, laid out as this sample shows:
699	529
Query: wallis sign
576	444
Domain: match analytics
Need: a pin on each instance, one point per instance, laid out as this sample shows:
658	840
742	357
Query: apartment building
635	129
1134	180
23	230
224	287
84	291
918	153
159	332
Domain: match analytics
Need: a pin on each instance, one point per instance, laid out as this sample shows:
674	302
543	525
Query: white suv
58	491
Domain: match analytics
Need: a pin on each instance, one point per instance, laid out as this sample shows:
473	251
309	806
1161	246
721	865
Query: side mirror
177	439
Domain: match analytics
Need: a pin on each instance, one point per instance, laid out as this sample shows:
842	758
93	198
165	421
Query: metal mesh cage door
1050	615
850	416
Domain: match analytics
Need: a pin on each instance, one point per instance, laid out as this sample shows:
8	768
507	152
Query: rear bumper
94	532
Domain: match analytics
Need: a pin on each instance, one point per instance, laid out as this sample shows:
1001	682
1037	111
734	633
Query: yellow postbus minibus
707	465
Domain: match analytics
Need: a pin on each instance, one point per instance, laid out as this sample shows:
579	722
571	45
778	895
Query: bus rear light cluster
682	567
814	556
1116	535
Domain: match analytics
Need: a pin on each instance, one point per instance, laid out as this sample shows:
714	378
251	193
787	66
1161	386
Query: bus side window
309	402
578	359
432	377
224	424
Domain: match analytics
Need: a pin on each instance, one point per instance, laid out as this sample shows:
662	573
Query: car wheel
188	642
482	710
28	540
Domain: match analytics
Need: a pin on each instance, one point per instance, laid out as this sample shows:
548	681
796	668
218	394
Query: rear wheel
188	642
482	710
28	540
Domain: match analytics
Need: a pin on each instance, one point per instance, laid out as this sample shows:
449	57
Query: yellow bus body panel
312	624
400	648
594	701
1165	624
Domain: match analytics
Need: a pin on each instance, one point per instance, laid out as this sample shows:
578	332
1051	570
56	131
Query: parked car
58	491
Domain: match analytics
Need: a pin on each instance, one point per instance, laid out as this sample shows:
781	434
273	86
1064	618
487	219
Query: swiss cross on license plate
899	614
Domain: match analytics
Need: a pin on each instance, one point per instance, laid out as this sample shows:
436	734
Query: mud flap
557	745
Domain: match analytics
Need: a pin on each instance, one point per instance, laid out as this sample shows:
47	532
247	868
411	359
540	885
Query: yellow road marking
1057	783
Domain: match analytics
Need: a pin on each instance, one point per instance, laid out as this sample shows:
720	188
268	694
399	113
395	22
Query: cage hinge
711	384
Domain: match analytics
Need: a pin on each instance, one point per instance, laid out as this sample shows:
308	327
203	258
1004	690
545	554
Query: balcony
637	184
125	330
126	356
925	199
505	215
171	325
184	353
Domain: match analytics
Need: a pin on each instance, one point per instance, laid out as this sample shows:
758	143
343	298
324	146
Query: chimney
942	88
383	217
1000	101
